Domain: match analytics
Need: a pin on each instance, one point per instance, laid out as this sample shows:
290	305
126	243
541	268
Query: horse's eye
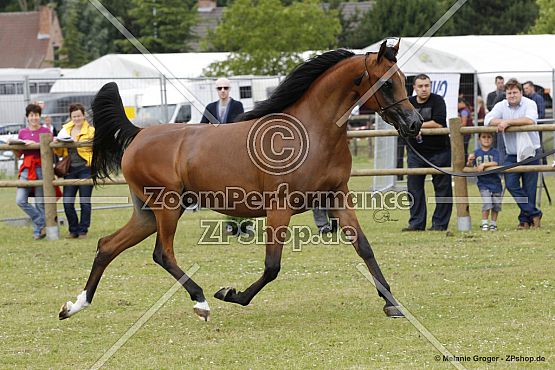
387	84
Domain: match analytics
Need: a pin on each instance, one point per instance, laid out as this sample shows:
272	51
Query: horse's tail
113	132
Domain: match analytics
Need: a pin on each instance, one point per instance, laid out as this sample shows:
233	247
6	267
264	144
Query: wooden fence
457	156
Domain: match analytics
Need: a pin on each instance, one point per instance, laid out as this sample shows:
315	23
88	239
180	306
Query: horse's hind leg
276	232
141	225
164	256
350	226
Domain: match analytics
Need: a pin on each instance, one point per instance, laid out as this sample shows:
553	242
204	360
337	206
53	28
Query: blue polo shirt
491	182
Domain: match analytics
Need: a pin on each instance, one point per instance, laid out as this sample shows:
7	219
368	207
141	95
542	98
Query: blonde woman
79	130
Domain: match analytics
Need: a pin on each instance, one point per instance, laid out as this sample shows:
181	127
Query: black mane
295	84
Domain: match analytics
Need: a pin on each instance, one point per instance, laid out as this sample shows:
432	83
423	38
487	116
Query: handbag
61	168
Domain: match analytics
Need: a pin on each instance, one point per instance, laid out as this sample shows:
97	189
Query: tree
494	17
414	17
267	37
102	37
394	18
73	53
545	23
163	26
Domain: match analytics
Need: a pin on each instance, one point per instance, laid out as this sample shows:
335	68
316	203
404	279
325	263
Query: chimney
45	22
206	6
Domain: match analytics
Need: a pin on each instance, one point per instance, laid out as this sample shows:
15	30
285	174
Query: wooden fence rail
455	131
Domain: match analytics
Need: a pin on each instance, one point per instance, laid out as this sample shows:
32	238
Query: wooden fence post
461	189
47	164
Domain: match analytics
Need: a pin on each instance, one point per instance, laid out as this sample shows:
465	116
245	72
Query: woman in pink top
31	170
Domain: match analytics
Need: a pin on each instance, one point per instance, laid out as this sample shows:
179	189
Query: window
33	87
245	92
7	89
184	114
44	87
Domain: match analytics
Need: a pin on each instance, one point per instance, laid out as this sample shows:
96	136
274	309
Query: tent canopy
135	67
525	57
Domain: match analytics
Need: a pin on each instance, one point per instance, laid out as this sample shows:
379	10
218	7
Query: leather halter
381	83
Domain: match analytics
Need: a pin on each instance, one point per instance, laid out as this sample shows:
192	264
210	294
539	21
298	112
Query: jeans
77	227
442	189
525	192
36	211
320	217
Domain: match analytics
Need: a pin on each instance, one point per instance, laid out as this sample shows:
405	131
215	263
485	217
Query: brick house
30	39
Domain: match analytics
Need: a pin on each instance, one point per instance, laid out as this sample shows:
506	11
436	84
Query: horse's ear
396	47
381	53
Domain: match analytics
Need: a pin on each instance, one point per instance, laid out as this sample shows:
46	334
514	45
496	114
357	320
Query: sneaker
485	227
491	228
71	236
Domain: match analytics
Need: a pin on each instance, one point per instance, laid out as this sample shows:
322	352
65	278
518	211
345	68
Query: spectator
466	120
489	185
48	124
226	109
530	93
436	149
31	169
498	95
77	130
517	110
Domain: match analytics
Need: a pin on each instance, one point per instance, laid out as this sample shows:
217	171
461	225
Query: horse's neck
330	100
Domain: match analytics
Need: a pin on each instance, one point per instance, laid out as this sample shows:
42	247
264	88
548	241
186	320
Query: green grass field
479	293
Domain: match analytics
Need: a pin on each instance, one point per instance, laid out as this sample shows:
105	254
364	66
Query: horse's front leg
350	226
276	231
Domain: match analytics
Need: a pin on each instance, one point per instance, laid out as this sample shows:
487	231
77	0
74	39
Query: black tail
113	132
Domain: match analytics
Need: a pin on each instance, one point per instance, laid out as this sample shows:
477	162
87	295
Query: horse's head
384	91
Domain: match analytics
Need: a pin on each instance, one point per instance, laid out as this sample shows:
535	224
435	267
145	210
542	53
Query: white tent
525	57
132	71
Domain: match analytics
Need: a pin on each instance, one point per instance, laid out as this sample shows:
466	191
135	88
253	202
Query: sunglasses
222	88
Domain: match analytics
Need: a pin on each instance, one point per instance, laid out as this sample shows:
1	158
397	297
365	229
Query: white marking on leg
202	306
80	303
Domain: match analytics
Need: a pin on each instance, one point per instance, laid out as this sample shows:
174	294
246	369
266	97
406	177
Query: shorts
491	200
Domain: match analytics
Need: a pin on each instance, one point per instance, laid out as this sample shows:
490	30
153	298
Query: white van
186	100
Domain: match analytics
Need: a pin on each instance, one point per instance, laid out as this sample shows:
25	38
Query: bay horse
198	158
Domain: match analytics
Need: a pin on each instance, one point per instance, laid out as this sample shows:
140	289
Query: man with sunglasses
226	109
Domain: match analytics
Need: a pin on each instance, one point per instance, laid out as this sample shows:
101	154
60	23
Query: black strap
474	174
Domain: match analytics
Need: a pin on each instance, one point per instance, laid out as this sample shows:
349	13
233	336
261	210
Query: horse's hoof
393	311
64	312
225	293
203	315
202	310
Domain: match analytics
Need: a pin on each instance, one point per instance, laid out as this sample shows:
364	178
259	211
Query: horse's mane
295	84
